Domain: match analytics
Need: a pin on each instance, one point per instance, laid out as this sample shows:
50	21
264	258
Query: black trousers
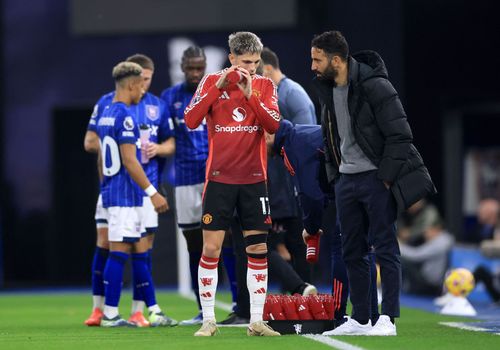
367	214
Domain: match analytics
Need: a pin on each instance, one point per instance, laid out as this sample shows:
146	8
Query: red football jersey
237	146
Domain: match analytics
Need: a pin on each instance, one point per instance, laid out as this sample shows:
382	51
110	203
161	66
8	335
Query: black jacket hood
365	65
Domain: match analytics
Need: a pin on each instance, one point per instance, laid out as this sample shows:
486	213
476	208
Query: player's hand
305	235
222	82
159	203
151	149
245	84
387	184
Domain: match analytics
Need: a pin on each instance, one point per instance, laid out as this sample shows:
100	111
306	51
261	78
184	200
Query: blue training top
303	145
191	146
294	103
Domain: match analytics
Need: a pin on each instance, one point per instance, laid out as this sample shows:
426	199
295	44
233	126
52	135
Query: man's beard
191	86
330	73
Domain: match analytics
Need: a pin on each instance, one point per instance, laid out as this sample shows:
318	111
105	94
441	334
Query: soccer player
238	106
123	187
191	154
150	115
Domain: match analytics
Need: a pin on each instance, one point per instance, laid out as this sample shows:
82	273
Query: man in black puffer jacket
375	168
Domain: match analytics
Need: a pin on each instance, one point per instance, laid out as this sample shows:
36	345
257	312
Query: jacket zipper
332	139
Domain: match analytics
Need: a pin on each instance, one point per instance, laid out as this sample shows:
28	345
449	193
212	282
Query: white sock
98	301
137	305
257	287
110	311
207	283
154	309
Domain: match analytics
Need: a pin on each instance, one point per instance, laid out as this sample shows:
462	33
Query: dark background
442	57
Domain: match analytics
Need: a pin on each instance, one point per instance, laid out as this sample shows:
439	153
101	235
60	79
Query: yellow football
460	282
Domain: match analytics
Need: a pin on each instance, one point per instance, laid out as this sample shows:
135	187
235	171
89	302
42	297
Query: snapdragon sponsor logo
239	114
239	128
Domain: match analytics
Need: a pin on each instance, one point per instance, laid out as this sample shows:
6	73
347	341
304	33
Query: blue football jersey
99	108
151	112
191	146
115	127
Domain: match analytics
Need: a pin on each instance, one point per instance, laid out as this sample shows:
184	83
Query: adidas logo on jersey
260	291
224	96
301	308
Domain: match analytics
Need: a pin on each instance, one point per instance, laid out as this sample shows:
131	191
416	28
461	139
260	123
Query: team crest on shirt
128	123
207	218
177	105
256	93
152	112
239	114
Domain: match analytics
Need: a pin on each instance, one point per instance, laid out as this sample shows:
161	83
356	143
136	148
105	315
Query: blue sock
150	261
142	279
98	264
194	262
230	264
113	274
136	294
340	286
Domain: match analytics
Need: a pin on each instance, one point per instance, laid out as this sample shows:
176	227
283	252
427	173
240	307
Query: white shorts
150	216
125	224
188	205
101	214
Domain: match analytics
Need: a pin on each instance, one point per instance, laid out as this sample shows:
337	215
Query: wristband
150	191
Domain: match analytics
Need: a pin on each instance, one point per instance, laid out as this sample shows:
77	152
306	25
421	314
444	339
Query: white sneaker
309	290
350	327
383	327
208	329
261	329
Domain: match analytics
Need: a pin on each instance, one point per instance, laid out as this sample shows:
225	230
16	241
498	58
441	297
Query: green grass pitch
55	321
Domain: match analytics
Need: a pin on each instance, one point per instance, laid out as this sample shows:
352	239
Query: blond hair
125	70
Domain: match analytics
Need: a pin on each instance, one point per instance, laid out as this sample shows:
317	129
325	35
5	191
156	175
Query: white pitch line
334	343
466	327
